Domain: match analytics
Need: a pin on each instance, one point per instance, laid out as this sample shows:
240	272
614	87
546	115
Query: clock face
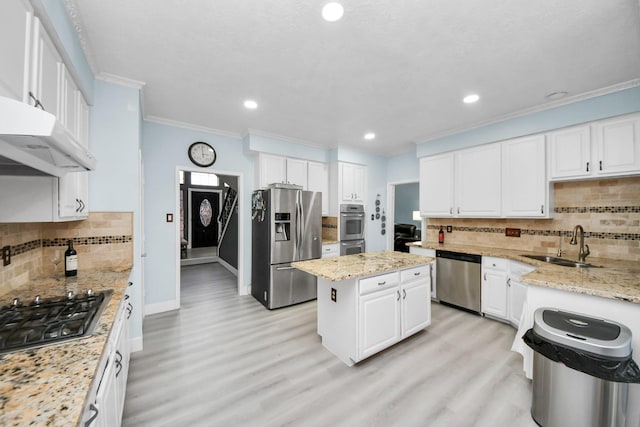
202	154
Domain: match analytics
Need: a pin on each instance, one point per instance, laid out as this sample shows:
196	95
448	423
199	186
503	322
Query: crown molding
538	109
119	80
74	16
283	138
191	126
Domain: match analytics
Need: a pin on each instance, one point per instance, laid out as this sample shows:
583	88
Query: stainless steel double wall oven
352	220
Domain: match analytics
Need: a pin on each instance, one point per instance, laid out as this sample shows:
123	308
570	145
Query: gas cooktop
49	321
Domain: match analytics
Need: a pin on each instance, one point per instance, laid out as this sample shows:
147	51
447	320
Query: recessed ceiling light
557	95
470	99
250	104
369	135
332	11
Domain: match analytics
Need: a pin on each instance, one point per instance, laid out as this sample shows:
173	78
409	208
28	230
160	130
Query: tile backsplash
607	209
104	240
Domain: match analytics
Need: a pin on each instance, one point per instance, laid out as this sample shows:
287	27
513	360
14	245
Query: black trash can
581	370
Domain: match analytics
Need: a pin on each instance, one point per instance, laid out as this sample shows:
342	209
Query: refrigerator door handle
285	268
302	220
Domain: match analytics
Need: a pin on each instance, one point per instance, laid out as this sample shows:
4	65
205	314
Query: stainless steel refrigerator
287	227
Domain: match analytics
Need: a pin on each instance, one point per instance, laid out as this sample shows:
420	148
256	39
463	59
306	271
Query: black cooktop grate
48	322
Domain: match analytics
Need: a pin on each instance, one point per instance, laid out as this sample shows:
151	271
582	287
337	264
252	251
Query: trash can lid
603	338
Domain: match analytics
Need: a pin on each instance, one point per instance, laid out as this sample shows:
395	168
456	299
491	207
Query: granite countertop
49	385
360	265
616	279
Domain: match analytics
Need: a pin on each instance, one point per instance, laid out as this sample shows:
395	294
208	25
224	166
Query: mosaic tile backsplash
104	240
607	209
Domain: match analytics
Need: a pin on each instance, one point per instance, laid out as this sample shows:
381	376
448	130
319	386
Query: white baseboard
135	344
161	307
228	266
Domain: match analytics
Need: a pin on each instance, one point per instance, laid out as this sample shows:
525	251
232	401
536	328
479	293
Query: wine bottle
70	260
441	235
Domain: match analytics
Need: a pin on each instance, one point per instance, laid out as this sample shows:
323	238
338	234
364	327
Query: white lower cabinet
432	267
330	250
503	294
360	317
106	401
379	321
398	310
494	297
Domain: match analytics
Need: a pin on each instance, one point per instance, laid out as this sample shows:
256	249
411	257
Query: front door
205	208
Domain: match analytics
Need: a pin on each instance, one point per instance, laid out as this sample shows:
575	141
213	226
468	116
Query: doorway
188	203
403	206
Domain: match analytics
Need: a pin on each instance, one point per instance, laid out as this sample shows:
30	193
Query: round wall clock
202	154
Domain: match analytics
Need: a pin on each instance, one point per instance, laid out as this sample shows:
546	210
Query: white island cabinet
368	302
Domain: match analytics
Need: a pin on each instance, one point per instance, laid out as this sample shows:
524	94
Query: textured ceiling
397	68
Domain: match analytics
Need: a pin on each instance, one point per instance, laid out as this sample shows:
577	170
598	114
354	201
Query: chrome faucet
584	249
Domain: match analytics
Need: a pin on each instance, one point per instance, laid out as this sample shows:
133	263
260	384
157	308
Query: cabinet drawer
415	273
495	263
330	250
376	283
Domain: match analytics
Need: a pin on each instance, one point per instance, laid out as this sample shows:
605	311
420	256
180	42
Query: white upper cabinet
525	191
617	146
16	21
570	152
47	73
69	107
351	178
272	169
280	169
83	120
297	172
600	149
73	196
478	182
318	180
436	186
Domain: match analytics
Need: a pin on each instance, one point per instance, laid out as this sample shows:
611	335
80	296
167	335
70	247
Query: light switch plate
6	255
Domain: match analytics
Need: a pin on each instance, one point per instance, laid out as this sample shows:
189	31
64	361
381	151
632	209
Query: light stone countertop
617	279
49	385
360	265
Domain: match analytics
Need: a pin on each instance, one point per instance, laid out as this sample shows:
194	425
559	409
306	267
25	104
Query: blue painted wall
164	149
600	107
114	138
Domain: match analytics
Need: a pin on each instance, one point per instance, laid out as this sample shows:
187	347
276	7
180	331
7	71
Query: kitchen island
370	301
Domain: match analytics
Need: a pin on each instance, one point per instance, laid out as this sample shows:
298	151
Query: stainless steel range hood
34	142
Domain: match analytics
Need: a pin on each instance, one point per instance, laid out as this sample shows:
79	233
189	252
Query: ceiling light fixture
557	95
470	99
250	104
369	135
332	11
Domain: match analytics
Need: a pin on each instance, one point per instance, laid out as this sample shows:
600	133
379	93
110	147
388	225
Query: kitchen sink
561	261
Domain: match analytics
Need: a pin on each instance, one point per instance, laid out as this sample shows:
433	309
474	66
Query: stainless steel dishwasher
459	279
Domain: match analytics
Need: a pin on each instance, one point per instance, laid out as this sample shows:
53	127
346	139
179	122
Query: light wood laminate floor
225	360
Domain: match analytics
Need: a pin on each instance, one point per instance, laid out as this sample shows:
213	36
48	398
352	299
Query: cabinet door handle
404	294
509	281
416	274
542	209
95	410
126	297
382	283
36	101
485	276
119	365
458	210
78	205
130	310
587	166
600	164
130	284
398	299
450	211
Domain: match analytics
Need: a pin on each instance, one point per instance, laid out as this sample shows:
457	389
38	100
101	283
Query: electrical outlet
334	295
449	228
6	255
